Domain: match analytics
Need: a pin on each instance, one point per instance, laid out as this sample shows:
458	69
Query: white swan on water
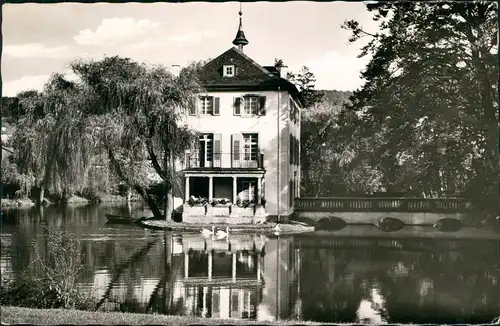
221	234
206	233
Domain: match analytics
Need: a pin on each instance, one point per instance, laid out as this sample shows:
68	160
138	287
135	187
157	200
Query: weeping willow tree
130	112
49	150
134	112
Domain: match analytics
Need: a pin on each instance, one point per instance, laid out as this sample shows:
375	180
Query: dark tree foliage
117	109
305	82
429	107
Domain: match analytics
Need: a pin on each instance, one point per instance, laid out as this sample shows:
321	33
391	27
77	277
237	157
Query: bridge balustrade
351	204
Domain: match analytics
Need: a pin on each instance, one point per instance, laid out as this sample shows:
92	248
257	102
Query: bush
55	286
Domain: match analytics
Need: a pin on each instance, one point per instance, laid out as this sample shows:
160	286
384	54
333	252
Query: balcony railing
224	161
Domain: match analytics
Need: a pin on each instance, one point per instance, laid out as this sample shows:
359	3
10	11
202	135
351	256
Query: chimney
176	69
283	72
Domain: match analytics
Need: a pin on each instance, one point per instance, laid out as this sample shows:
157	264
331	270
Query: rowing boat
118	219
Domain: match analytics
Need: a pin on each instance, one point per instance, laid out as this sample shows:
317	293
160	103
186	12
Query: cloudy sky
39	40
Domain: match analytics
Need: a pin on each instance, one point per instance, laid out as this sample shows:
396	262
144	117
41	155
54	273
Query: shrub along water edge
54	284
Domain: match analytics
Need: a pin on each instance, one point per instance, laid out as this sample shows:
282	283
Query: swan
221	234
206	233
277	229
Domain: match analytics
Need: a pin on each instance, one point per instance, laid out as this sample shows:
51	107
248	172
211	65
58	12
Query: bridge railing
398	204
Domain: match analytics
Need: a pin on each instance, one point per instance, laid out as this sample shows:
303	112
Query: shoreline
28	202
286	228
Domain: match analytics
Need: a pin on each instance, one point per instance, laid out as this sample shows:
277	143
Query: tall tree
430	94
136	112
305	81
48	148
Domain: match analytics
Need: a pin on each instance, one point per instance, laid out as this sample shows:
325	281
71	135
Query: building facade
246	165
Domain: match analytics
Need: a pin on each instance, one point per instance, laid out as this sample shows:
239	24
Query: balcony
224	161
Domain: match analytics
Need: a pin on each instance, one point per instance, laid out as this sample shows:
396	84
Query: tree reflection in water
421	281
321	278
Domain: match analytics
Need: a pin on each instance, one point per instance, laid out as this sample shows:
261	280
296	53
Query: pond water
316	277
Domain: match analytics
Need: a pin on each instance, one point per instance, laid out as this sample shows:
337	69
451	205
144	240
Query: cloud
114	31
25	83
35	50
192	38
133	38
12	88
340	71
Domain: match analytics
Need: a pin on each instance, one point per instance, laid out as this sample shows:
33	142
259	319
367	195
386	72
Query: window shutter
236	150
297	151
290	144
193	105
294	151
217	150
237	106
216	104
262	107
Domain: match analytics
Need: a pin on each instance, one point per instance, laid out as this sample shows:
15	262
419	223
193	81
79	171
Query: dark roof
249	75
273	70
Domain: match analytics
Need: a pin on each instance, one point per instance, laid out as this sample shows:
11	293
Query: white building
249	147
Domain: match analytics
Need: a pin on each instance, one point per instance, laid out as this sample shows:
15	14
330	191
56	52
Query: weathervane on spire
240	39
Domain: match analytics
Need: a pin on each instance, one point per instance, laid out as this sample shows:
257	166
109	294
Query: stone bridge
411	211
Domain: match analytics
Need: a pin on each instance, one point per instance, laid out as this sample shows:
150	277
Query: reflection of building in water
281	295
225	279
244	276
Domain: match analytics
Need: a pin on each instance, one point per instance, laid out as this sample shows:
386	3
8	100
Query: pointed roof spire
240	39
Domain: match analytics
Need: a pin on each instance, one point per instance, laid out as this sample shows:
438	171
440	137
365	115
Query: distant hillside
336	97
333	102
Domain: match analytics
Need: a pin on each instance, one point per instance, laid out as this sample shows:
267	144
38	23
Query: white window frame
248	141
249	188
206	105
250	105
228	71
207	139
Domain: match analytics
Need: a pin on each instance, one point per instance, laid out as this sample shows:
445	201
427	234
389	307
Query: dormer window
228	71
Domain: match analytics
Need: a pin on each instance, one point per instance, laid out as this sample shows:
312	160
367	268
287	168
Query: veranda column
234	190
210	265
234	266
186	189
259	190
204	308
258	267
186	264
210	188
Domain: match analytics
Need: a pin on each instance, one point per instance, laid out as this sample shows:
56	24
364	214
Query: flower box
218	210
196	210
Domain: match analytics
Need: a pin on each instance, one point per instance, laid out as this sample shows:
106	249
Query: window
250	105
250	147
206	105
205	150
228	71
248	190
294	112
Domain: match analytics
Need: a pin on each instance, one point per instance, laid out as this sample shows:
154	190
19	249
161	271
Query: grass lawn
17	315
